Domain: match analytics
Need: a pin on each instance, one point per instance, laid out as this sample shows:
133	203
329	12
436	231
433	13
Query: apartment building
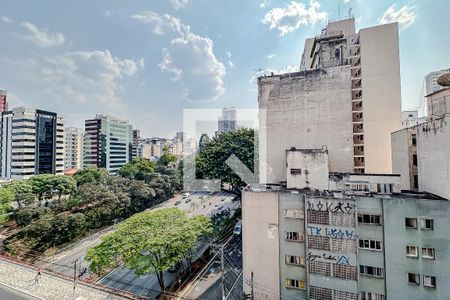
136	133
346	96
361	238
32	142
228	120
107	143
411	118
73	148
3	101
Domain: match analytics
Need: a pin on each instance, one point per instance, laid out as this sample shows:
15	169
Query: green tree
210	161
6	200
26	215
150	242
63	185
41	185
166	158
22	190
140	168
90	175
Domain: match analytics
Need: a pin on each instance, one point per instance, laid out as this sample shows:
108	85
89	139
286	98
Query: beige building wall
260	243
400	157
380	68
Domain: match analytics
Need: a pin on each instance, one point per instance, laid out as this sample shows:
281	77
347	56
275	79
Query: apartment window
370	245
318	217
414	140
411	222
294	283
296	171
413	278
415	160
341	295
427	224
371	271
385	188
370	296
293	213
429	281
320	293
411	251
345	272
294	236
320	267
343	219
428	253
319	242
295	260
369	219
416	181
343	245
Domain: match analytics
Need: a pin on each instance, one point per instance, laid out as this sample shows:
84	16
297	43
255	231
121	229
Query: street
7	293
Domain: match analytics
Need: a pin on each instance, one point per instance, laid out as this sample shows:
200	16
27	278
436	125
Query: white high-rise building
32	142
74	142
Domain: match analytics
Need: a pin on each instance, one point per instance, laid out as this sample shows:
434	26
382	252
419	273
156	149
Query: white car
185	195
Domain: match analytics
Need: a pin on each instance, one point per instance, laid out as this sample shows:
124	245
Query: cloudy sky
148	60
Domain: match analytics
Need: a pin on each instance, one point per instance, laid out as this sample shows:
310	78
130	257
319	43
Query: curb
21	291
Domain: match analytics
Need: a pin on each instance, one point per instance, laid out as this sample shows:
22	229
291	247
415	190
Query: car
237	228
220	207
223	199
185	195
216	205
178	202
188	200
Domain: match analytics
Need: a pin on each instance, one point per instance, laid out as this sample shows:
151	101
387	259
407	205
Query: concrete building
73	148
228	120
136	134
411	118
431	84
346	96
107	143
32	142
360	238
3	101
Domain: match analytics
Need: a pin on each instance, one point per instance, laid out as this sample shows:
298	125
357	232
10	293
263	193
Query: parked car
220	207
237	228
178	202
185	195
188	200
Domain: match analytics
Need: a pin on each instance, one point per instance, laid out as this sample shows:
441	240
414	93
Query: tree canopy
6	199
150	242
140	168
90	175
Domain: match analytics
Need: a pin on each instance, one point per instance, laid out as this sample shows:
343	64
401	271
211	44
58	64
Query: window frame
411	227
416	276
432	280
288	257
416	255
369	242
426	256
301	236
371	219
423	224
292	284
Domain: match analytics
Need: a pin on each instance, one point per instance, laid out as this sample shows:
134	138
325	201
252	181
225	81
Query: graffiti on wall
332	206
332	232
338	259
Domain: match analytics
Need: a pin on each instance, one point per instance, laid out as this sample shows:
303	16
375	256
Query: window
429	281
427	224
296	171
295	260
416	181
428	253
343	245
319	293
413	278
294	236
370	245
411	222
293	213
369	219
318	217
371	271
411	251
414	140
385	188
319	242
345	272
341	295
320	267
294	283
370	296
415	160
343	219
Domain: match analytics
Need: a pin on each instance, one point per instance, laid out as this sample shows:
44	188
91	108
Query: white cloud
178	4
6	19
42	37
189	59
405	16
270	56
292	17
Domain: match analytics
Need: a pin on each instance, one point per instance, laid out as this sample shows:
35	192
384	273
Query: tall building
178	143
346	96
431	84
73	148
107	143
32	142
228	120
3	101
411	118
136	139
331	236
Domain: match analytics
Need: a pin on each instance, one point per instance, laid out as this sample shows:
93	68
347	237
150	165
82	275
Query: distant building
431	84
136	133
228	120
151	148
411	118
108	142
32	142
73	148
3	101
346	96
178	143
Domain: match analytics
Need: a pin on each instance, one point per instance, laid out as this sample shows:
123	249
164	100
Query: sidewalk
49	286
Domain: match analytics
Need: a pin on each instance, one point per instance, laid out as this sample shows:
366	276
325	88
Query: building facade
73	148
32	142
3	101
136	133
108	143
431	84
335	100
228	120
411	118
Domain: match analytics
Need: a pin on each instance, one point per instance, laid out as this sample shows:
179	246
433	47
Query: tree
22	190
166	158
6	199
210	161
204	139
90	175
63	185
140	168
41	185
150	242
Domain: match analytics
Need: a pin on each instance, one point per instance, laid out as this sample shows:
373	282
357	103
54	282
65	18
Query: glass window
428	253
429	281
427	224
411	251
411	222
414	278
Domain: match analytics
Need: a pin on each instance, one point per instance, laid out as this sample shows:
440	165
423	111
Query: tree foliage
150	242
6	199
140	169
23	191
91	175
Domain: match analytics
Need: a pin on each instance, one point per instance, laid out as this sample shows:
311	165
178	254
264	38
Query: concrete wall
260	243
400	157
433	151
306	110
380	68
397	237
313	165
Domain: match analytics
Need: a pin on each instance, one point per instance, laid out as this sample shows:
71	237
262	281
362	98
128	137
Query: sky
146	61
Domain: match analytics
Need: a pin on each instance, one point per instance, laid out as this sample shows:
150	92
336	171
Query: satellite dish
444	80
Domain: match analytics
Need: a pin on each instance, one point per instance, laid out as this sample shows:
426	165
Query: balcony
359	170
356	73
358	117
358	151
358	139
359	161
358	128
357	95
357	107
356	84
355	62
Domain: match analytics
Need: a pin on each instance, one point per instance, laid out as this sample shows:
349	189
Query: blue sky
147	60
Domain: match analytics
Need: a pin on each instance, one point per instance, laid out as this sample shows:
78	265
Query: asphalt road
7	293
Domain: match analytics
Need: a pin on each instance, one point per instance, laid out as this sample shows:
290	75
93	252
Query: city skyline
80	67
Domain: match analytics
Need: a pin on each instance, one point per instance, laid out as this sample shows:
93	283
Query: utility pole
74	277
